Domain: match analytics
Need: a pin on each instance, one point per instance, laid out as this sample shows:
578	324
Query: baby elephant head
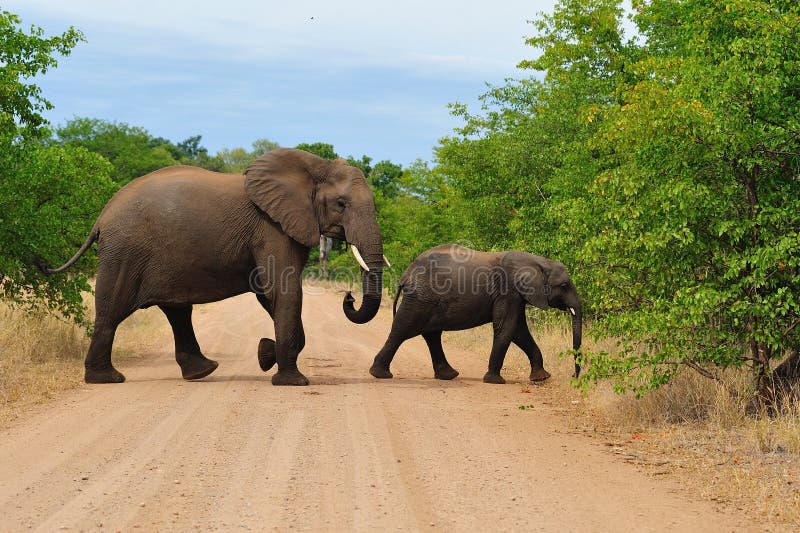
545	283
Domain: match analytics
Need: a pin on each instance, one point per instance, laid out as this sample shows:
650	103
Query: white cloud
369	77
460	36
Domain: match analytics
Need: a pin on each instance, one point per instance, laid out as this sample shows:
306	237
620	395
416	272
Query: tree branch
790	328
702	371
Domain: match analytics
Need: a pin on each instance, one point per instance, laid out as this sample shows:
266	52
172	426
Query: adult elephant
451	287
183	235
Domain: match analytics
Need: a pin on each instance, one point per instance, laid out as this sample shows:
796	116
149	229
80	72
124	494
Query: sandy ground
347	453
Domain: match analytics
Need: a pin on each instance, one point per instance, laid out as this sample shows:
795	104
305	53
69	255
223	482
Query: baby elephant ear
281	183
529	274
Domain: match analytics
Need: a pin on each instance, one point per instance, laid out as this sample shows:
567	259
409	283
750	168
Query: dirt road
347	453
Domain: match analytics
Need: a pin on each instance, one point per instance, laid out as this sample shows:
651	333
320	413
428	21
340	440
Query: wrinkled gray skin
183	235
451	288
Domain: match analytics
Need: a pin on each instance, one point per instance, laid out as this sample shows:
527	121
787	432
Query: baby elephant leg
523	339
504	324
408	322
496	358
380	366
441	368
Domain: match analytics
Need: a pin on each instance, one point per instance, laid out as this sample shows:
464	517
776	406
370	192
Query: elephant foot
539	374
266	354
103	375
380	372
289	377
446	373
195	365
493	378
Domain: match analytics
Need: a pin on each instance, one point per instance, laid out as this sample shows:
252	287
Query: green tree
131	149
190	152
190	148
235	159
698	238
522	165
417	216
364	164
238	159
385	177
49	196
262	146
662	169
323	150
22	57
49	205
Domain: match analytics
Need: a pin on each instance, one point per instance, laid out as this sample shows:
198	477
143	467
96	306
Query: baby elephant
451	287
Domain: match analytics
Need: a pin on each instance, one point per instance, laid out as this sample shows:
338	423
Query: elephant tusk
571	310
388	264
358	257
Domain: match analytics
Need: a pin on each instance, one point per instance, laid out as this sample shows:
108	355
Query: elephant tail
47	271
396	297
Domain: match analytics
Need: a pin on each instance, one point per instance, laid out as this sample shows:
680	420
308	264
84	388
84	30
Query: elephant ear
282	183
531	277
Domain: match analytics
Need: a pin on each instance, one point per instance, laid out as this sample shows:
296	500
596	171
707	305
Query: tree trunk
783	384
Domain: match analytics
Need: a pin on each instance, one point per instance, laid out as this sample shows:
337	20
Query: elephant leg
496	358
289	336
289	341
194	365
504	323
98	367
380	366
113	304
282	277
441	368
407	323
523	339
266	347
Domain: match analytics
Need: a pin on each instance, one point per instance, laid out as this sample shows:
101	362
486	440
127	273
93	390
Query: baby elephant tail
396	297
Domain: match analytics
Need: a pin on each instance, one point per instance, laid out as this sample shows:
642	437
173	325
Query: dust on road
348	452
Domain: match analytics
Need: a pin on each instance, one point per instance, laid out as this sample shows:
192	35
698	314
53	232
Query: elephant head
309	196
545	283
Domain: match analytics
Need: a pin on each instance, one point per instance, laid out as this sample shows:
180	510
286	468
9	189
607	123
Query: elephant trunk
371	250
577	327
372	283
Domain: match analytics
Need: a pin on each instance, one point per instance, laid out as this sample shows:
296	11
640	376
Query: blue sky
370	78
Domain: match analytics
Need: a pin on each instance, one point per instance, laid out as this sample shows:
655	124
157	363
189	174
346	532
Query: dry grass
41	356
694	430
699	428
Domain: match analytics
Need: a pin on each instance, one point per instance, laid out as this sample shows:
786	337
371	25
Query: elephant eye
565	285
341	203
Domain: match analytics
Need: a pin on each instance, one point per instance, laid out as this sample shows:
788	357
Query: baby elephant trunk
577	327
